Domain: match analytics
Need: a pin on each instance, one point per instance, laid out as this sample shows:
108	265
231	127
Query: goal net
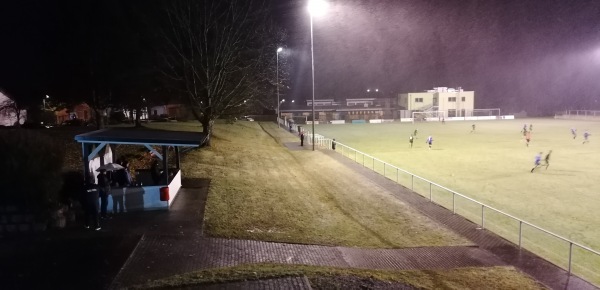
484	112
428	116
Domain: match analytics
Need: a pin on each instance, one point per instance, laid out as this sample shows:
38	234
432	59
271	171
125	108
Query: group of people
586	135
538	160
94	210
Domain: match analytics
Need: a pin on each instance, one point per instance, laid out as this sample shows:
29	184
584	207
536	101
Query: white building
8	116
452	102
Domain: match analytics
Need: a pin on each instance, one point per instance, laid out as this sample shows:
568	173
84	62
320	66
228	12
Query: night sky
540	56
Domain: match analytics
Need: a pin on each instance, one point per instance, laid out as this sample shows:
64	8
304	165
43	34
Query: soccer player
574	132
415	133
473	128
585	137
538	159
547	159
429	141
527	137
524	129
530	127
410	140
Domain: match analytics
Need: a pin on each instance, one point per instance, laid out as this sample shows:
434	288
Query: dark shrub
72	186
30	169
117	117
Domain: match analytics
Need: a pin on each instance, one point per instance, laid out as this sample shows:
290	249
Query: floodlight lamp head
317	7
279	49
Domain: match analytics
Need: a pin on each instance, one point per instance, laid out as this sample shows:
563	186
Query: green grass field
492	165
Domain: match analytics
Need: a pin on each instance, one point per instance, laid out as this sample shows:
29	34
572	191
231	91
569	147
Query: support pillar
166	163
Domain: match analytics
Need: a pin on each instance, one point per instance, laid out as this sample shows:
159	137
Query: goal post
428	116
485	112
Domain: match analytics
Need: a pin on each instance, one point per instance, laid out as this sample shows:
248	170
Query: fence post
520	232
453	203
430	199
570	255
482	217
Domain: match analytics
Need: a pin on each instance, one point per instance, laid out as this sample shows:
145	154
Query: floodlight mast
315	8
277	68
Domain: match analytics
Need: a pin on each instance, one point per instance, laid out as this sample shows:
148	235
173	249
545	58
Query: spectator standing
124	180
333	144
301	138
104	186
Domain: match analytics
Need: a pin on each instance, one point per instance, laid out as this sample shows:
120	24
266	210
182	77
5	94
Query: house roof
143	136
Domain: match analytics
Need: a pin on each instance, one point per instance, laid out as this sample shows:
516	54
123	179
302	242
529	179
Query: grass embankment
334	278
261	190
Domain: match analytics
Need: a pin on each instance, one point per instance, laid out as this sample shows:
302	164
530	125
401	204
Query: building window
418	100
452	99
463	99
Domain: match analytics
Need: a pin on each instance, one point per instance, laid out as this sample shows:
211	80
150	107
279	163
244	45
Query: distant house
176	111
350	110
81	112
8	117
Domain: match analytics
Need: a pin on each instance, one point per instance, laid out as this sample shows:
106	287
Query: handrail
571	243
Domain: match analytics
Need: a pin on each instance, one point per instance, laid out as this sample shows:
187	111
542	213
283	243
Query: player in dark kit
547	159
410	140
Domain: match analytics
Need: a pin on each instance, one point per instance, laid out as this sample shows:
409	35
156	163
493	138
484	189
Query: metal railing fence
434	191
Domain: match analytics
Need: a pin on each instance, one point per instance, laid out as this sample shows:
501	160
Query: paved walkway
175	245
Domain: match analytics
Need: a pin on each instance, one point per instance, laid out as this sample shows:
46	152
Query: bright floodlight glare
47	97
377	90
368	90
317	7
279	49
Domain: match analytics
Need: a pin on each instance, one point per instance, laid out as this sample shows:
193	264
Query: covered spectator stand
145	194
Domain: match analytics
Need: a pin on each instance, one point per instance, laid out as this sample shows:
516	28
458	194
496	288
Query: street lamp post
44	100
315	8
278	115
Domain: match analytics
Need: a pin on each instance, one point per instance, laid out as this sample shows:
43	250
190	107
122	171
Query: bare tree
10	107
218	52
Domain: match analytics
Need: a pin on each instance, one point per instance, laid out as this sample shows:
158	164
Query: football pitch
493	165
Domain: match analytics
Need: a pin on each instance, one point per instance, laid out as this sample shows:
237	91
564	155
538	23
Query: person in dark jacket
123	179
155	172
90	205
104	186
301	138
